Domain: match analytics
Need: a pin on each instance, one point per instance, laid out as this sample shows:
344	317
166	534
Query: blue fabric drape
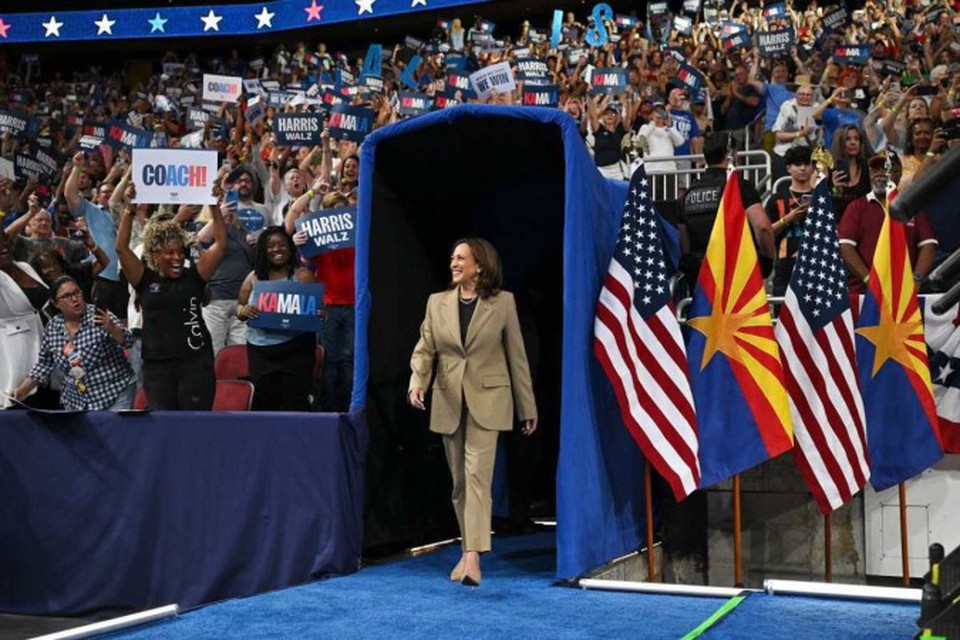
101	513
600	470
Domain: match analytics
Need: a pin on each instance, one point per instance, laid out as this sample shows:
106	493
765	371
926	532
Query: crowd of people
87	272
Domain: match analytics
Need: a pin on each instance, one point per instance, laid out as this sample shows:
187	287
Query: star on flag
4	27
313	11
52	27
105	25
156	24
211	21
422	3
364	6
264	19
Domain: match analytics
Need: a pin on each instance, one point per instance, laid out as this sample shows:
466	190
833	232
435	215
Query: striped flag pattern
638	342
816	336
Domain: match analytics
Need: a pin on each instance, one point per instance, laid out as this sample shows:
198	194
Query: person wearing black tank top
177	350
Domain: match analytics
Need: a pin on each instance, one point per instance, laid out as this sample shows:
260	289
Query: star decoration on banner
422	3
945	373
156	24
52	27
211	21
313	11
365	6
105	25
264	19
4	27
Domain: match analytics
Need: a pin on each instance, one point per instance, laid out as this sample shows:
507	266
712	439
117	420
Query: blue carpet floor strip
518	598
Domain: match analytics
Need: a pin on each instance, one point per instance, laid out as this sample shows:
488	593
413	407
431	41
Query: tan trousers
471	452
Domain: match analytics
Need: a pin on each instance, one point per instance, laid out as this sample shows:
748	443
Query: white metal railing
754	165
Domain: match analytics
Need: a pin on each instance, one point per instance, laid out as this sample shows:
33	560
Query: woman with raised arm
177	349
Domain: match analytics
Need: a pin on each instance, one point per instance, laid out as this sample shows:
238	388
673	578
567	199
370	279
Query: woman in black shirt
177	351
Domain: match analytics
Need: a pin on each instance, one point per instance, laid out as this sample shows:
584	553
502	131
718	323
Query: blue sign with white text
287	306
327	230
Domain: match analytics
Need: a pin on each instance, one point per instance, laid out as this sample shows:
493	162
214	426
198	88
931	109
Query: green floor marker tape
717	616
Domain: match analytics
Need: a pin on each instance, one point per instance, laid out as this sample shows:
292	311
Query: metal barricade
755	166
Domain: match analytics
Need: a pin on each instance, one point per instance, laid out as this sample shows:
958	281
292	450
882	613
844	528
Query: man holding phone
787	210
239	186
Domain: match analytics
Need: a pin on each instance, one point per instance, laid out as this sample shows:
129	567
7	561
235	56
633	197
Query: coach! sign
222	88
174	176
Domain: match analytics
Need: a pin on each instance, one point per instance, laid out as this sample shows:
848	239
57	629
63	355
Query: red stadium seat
233	395
232	363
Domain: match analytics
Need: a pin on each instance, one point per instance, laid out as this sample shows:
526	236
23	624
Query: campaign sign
776	11
442	101
255	111
676	53
350	123
458	81
852	54
121	134
657	10
691	78
691	7
222	88
26	166
532	70
7	169
51	159
89	143
735	41
608	80
497	77
197	118
775	44
729	27
278	98
18	125
373	83
252	87
329	229
540	96
455	62
892	68
836	20
285	305
330	99
683	24
625	22
297	129
415	104
174	176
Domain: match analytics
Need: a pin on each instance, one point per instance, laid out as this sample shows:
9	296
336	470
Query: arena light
114	624
660	588
832	590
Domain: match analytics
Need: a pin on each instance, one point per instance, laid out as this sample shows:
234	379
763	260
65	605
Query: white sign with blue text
174	176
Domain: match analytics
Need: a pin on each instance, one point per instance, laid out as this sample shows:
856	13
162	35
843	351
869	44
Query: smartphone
232	197
842	165
927	90
895	87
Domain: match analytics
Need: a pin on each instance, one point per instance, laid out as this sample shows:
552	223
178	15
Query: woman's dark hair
908	148
343	164
490	271
261	265
58	283
53	256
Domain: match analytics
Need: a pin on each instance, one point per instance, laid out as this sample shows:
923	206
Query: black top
701	201
173	326
606	145
233	269
790	236
466	313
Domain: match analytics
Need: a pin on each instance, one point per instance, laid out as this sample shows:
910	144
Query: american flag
638	342
816	338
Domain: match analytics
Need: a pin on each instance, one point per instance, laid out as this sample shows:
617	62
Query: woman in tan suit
471	338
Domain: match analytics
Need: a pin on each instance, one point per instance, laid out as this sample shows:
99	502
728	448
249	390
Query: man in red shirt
861	224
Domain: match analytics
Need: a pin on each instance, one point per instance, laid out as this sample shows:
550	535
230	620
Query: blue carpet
801	618
414	599
518	599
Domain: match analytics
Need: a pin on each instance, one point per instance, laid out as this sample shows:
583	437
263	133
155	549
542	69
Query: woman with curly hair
177	350
281	362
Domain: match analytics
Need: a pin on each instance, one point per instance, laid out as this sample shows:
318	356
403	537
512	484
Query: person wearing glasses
86	345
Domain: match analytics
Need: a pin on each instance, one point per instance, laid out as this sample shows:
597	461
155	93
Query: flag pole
737	541
827	548
904	542
648	490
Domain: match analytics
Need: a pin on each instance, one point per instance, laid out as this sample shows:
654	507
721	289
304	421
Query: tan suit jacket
490	370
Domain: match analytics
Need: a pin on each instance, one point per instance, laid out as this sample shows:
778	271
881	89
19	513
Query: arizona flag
736	374
903	435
